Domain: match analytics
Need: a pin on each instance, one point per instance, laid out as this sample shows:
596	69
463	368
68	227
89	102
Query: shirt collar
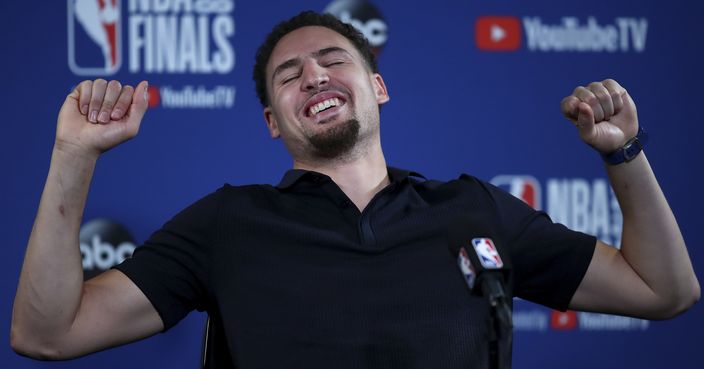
293	176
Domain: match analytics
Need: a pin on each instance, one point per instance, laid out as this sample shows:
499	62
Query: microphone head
483	250
477	252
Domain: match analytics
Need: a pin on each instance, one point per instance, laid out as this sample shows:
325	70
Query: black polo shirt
300	278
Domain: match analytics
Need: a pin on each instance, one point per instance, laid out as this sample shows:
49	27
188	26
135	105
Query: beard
336	141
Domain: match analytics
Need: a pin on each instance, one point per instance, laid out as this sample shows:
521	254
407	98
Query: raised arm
56	315
651	276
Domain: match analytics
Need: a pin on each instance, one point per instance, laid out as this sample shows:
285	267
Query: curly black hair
304	19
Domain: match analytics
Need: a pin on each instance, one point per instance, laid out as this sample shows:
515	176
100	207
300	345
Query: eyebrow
294	62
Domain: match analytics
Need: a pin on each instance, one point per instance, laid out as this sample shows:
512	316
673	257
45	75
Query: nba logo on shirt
94	28
487	252
523	187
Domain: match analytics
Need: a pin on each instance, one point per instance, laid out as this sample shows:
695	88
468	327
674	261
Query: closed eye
289	79
334	62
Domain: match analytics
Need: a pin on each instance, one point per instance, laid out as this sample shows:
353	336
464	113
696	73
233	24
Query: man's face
323	98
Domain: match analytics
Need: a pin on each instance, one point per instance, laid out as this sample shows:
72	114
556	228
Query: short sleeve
549	260
171	267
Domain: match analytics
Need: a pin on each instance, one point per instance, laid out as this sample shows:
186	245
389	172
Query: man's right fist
99	115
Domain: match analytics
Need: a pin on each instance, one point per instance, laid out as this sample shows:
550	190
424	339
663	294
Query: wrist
75	153
628	151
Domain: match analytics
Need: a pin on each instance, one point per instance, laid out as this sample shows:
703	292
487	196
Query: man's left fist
604	114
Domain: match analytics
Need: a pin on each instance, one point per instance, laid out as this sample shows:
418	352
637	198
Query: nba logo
466	267
523	187
94	28
488	254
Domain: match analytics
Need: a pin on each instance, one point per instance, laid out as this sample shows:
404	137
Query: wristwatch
629	151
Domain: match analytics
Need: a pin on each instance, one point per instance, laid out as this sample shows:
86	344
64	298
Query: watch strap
629	151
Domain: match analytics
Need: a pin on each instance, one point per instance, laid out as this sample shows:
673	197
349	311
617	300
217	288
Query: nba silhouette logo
94	45
466	267
488	254
523	187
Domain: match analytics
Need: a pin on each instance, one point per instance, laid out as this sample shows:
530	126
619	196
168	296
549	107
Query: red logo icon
563	321
498	33
524	187
154	96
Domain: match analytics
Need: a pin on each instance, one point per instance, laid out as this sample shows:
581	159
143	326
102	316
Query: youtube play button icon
498	33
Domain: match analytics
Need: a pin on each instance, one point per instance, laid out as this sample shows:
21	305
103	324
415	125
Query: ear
271	123
382	95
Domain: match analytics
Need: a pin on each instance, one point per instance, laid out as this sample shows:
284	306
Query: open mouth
324	105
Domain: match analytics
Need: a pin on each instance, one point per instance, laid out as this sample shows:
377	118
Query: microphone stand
500	321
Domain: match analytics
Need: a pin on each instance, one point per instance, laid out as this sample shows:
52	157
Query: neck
360	178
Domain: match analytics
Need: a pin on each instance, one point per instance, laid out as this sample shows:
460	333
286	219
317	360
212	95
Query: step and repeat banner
475	87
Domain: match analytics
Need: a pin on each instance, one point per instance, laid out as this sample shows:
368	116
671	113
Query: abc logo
363	16
104	243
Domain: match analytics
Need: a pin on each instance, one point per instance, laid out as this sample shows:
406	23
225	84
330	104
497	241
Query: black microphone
485	268
486	271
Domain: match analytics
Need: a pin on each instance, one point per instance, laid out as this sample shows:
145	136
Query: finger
96	99
111	95
616	92
570	107
586	116
585	121
84	93
123	103
588	97
138	107
604	98
140	98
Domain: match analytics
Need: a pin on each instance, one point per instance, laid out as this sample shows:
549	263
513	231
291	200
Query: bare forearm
652	243
51	281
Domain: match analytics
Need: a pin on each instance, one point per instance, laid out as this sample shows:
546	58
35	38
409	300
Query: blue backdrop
475	87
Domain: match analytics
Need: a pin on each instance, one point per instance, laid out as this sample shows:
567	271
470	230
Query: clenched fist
97	116
604	114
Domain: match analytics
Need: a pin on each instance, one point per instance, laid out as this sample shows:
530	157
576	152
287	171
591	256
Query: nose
314	76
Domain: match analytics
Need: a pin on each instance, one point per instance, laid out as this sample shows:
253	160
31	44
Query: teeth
317	108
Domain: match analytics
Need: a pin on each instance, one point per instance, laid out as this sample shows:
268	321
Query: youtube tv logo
563	321
154	97
498	33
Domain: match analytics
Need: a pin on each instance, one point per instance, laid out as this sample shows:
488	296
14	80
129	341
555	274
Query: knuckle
597	87
127	90
594	85
602	95
569	102
100	81
115	84
591	100
95	101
